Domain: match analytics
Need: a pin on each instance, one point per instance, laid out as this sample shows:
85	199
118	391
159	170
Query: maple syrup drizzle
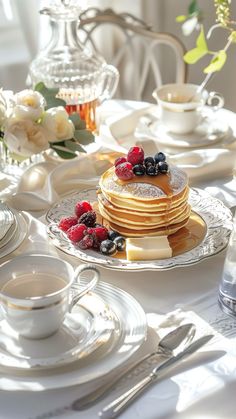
185	239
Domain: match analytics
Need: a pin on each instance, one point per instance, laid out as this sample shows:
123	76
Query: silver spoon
176	339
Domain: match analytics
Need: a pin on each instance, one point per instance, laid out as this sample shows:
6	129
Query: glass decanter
83	78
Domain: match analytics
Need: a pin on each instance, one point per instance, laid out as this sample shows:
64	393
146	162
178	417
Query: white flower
6	104
25	137
29	105
56	122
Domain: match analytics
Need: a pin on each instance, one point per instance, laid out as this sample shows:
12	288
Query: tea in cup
181	105
35	292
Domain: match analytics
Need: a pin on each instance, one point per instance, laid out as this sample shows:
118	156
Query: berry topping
101	233
151	171
135	155
112	234
139	170
120	160
67	222
120	243
124	171
81	207
76	233
159	157
163	167
108	247
86	242
88	218
149	161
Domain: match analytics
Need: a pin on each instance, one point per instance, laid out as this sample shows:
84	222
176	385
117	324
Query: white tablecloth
199	391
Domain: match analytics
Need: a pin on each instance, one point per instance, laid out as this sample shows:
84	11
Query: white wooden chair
134	49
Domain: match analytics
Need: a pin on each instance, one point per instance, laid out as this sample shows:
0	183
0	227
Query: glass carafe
83	78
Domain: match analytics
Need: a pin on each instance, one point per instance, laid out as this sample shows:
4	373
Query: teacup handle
110	82
215	97
91	284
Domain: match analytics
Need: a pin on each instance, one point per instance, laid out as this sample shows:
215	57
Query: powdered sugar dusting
177	180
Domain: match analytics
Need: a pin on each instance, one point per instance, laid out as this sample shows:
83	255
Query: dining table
202	386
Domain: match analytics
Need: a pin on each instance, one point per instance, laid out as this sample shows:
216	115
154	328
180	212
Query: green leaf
84	136
77	121
232	37
216	63
195	54
50	95
73	146
64	153
180	18
41	88
193	8
192	56
201	41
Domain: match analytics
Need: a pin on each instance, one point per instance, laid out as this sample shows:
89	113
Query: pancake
145	205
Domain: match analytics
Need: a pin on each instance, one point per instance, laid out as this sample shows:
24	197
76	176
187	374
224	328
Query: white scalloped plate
217	217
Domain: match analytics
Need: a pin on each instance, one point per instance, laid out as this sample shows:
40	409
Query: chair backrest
134	49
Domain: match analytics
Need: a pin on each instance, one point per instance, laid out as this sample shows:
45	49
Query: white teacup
35	292
181	105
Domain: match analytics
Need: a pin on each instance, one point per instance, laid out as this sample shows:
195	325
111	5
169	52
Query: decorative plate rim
217	216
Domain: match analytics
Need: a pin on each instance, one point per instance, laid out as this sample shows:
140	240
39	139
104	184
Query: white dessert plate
217	217
130	332
83	331
208	132
17	237
7	220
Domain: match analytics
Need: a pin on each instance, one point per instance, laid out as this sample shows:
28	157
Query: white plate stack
13	229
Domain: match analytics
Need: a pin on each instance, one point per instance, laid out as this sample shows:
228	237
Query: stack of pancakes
145	205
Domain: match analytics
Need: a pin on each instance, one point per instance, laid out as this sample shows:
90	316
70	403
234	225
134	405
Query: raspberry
86	242
135	155
81	207
67	222
124	171
101	233
88	218
120	160
76	233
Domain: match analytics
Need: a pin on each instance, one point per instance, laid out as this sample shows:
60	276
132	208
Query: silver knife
178	338
113	409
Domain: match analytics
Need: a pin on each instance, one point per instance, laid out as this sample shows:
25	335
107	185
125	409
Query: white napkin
199	163
42	183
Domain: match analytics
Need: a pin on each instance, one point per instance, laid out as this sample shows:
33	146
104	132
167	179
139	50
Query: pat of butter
148	248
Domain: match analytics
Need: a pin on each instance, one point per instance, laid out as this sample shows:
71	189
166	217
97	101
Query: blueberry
112	234
108	247
151	171
139	170
120	243
159	157
163	167
149	161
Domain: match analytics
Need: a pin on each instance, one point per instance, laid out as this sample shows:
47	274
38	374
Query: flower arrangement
193	19
33	121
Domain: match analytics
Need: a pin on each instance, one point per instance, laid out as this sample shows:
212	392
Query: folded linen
200	164
43	183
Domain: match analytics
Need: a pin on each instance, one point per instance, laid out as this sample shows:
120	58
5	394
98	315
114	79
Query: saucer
129	334
83	331
16	235
208	132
